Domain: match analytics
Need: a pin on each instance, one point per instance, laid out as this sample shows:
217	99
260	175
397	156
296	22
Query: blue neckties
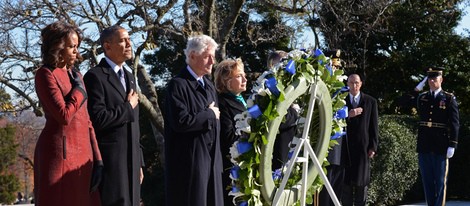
201	82
122	79
354	102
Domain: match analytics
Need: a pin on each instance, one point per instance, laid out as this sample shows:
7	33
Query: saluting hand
215	110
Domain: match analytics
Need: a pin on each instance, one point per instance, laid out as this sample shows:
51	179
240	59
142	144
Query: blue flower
342	90
338	135
341	113
277	174
271	85
254	111
235	189
244	147
290	154
330	70
318	52
244	203
234	172
290	67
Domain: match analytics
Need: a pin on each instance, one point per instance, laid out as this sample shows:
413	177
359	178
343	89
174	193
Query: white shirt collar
194	74
113	65
436	91
357	97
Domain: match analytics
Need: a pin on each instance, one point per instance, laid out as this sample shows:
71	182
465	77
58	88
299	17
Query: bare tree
28	127
21	22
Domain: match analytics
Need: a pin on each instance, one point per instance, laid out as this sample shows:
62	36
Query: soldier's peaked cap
434	71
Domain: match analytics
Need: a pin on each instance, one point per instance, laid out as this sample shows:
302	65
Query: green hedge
395	175
395	167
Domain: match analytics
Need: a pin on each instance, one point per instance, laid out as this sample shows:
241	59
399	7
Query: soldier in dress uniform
437	136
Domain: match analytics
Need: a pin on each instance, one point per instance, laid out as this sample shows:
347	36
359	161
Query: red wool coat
66	148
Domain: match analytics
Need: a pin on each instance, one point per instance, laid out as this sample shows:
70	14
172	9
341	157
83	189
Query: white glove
450	152
420	86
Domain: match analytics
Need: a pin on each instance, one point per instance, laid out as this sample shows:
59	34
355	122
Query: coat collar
233	102
112	77
193	82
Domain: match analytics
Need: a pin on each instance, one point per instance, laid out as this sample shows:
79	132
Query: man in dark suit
193	170
287	128
114	111
437	136
360	143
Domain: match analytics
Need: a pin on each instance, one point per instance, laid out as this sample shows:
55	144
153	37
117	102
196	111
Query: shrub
395	167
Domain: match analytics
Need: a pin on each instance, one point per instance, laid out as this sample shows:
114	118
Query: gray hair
199	44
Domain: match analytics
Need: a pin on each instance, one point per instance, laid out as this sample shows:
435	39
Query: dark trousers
434	168
354	195
335	175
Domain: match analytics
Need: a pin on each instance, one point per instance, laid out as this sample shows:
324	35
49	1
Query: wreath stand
307	152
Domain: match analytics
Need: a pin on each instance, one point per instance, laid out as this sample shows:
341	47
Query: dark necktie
122	79
201	82
354	102
432	95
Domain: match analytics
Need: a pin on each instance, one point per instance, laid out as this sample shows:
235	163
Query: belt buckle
429	124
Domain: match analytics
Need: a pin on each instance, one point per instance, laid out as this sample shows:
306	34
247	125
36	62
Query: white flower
234	153
262	78
296	54
242	123
236	195
342	78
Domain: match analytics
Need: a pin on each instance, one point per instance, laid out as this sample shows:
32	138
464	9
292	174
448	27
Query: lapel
112	77
193	82
129	81
63	80
233	102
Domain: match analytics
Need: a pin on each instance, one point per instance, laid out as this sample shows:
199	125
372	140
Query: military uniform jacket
439	122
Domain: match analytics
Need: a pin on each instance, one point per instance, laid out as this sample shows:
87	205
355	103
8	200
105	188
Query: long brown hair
53	38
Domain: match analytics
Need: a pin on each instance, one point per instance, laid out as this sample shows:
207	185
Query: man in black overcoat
114	112
360	143
193	165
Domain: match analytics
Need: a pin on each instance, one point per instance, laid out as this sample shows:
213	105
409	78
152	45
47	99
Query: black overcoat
361	136
229	107
287	130
193	165
117	131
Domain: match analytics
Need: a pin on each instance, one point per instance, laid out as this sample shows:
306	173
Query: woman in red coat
66	151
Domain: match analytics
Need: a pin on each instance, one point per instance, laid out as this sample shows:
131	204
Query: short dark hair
53	38
108	33
275	57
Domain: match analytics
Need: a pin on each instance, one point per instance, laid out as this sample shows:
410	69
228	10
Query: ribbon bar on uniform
433	124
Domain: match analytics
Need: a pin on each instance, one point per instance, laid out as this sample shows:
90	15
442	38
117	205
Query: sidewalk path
448	203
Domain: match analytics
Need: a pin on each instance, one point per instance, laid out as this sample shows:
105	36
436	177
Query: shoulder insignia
448	93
